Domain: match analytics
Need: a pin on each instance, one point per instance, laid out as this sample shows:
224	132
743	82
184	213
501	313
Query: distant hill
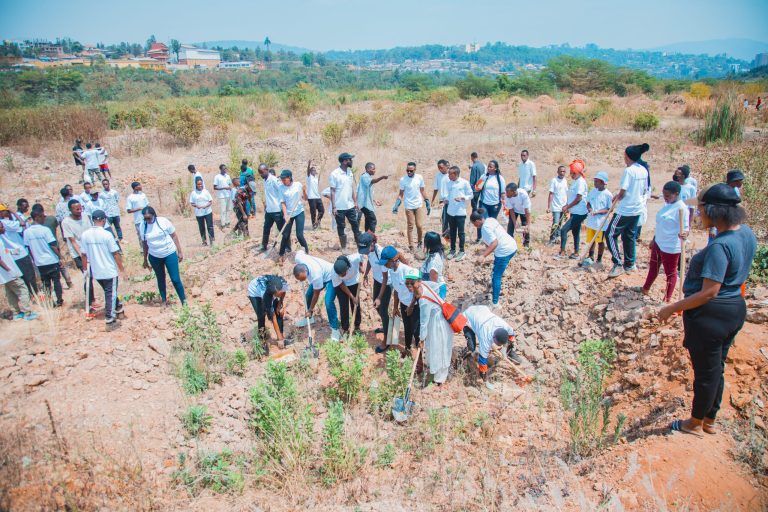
744	49
255	44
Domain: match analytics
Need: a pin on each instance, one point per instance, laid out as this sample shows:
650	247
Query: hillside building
198	57
761	59
159	52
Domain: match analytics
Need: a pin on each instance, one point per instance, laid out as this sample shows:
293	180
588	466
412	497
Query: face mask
674	177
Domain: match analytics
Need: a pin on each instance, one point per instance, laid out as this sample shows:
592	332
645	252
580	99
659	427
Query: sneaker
205	244
450	255
119	309
18	316
110	320
587	262
631	269
460	256
380	350
418	245
616	271
378	330
573	256
302	322
287	342
335	334
58	304
30	316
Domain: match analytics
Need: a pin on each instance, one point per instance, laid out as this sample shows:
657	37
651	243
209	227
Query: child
598	203
518	204
558	196
103	157
666	245
242	199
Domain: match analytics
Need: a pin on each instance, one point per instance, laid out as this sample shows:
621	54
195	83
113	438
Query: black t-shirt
727	259
77	159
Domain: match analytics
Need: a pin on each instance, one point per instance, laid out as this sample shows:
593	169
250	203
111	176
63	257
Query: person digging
485	331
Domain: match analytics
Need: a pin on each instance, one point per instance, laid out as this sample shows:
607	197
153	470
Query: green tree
175	47
149	42
307	59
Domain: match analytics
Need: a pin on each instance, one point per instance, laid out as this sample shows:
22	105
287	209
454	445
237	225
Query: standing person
134	204
222	184
11	236
500	244
162	251
440	191
759	103
111	200
687	189
404	304
292	197
434	329
633	187
576	206
62	207
246	176
476	171
22	207
42	246
414	198
558	197
713	308
365	196
85	195
344	198
15	290
202	203
433	266
101	254
598	205
242	197
267	296
73	227
526	171
666	245
382	291
319	273
103	162
346	281
316	209
646	197
484	330
91	158
195	175
459	192
491	187
518	205
273	213
52	223
77	155
735	180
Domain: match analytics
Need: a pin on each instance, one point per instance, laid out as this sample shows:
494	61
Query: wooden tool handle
682	253
413	371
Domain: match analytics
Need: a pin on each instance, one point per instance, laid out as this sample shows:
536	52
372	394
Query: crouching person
267	296
484	329
319	274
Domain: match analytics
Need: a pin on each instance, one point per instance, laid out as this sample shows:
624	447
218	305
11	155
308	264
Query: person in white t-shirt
134	204
202	203
91	158
11	234
15	290
433	268
576	206
485	330
413	197
599	202
558	197
292	197
440	191
526	170
195	175
111	201
101	252
273	212
404	304
319	274
45	253
500	244
459	192
518	205
73	226
85	195
382	290
222	185
630	199
315	200
103	163
344	199
666	245
162	251
491	187
346	281
365	196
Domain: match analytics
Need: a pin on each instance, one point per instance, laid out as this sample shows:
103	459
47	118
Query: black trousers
111	299
115	222
79	264
456	228
475	205
709	332
316	211
573	224
275	218
523	222
50	275
27	268
354	223
625	227
444	221
285	243
411	325
203	222
383	309
344	304
261	315
370	219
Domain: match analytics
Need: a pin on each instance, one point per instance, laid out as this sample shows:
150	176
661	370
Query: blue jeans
330	303
171	264
491	210
555	221
500	264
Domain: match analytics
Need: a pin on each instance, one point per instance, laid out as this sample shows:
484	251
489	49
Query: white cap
603	176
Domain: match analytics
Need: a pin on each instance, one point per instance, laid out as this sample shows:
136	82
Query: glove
398	202
429	207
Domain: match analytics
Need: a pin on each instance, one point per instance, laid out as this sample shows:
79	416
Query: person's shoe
335	334
460	256
587	262
495	307
631	269
287	342
58	304
573	256
119	309
378	330
30	316
419	245
410	248
262	249
380	350
616	271
450	255
18	316
477	242
110	320
514	356
302	322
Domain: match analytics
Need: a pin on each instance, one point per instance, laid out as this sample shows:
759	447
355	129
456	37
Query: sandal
709	428
677	426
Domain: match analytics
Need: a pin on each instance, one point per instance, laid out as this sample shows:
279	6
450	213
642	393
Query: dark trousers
261	315
411	325
344	304
523	222
383	309
275	218
354	223
115	222
285	243
50	275
573	224
444	221
475	202
370	219
456	227
203	222
79	264
111	300
316	211
27	268
170	263
625	227
709	332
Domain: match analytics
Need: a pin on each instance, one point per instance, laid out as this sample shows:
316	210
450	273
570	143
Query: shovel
556	227
403	407
682	253
310	350
597	233
270	253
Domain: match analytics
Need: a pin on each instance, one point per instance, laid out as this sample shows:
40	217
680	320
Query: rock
759	316
160	346
196	291
532	353
572	296
632	379
741	369
740	400
139	366
137	384
35	380
668	333
654	341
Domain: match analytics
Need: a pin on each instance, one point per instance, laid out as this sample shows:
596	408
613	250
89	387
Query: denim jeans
491	210
500	264
555	221
330	303
573	224
171	264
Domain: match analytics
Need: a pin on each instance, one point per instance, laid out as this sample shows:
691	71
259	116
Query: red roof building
159	52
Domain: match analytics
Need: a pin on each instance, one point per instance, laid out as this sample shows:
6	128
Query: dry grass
64	123
696	108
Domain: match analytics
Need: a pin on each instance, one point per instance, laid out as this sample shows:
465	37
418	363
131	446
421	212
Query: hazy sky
356	24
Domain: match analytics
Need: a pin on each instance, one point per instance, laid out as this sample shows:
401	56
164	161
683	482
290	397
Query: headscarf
578	166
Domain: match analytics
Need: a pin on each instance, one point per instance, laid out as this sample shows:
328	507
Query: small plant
269	158
181	193
193	378
183	123
474	121
258	349
751	445
397	372
759	273
204	359
437	422
645	121
356	124
724	122
10	165
387	456
480	419
341	459
346	363
196	419
146	297
237	362
221	472
332	133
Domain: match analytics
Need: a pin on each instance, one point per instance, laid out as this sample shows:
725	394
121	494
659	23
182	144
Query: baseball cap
412	273
286	173
685	168
364	242
501	335
602	176
387	254
734	175
3	208
98	215
340	266
345	156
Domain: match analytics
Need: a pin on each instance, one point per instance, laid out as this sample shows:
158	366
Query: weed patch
346	363
341	459
723	123
196	419
332	133
221	472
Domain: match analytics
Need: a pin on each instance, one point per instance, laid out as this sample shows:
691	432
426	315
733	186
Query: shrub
139	116
700	90
696	108
356	124
237	362
341	459
269	158
474	121
220	472
473	86
193	378
759	273
346	363
397	372
201	342
332	133
181	192
645	121
301	98
582	398
196	419
724	122
183	123
443	97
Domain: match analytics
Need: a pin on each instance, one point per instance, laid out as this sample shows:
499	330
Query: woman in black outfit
713	308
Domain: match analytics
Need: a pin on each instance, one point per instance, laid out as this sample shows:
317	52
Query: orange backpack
451	313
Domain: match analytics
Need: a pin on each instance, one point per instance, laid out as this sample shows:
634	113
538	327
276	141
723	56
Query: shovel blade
402	410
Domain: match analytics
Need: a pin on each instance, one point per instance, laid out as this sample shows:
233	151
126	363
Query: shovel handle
682	252
413	372
590	243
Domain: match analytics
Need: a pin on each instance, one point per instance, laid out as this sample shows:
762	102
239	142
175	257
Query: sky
365	24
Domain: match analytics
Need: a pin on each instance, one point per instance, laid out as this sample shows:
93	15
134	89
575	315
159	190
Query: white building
198	57
243	64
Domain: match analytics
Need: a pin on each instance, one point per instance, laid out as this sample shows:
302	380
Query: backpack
451	313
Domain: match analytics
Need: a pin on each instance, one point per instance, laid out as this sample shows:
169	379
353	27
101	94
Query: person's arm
55	249
4	266
354	196
145	249
313	302
423	193
433	276
119	261
573	203
380	296
396	303
309	166
348	293
178	245
333	200
618	197
489	250
434	194
709	290
376	180
549	202
533	185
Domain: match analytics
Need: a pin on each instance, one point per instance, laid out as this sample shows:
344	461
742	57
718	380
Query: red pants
669	262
